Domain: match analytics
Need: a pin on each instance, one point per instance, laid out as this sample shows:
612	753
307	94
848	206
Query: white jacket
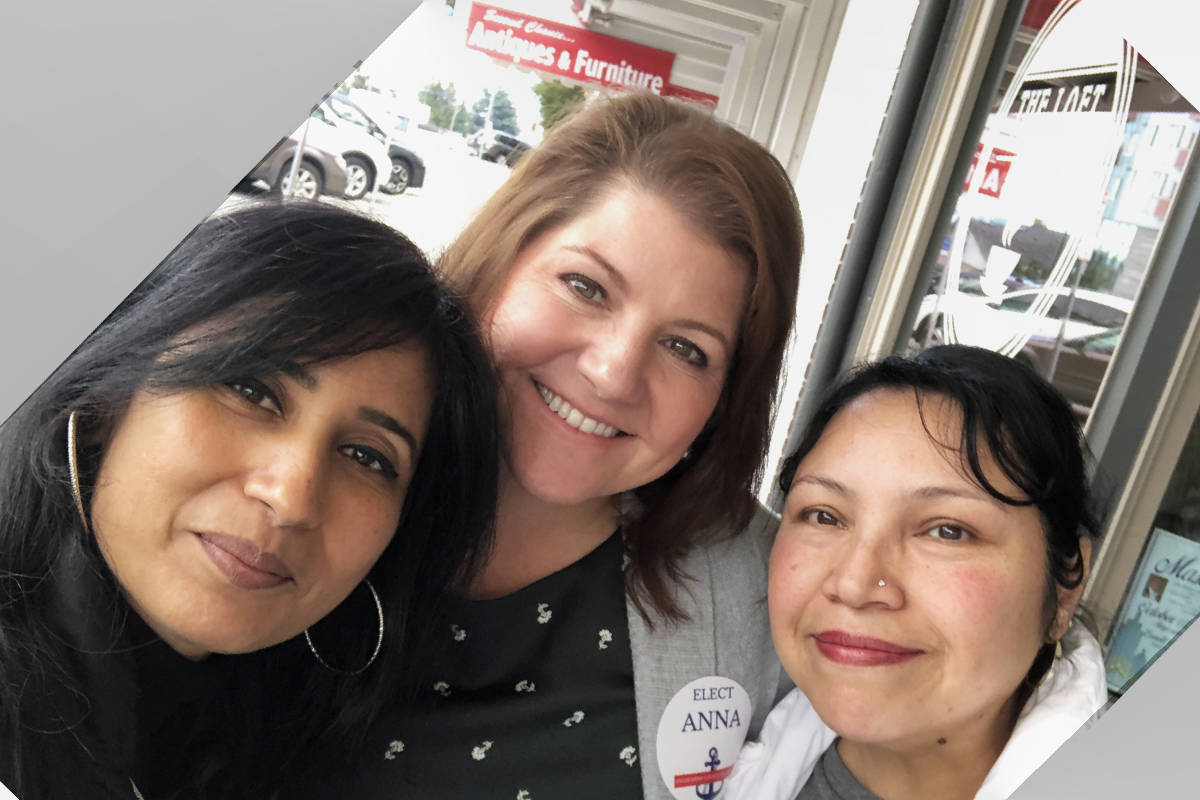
793	737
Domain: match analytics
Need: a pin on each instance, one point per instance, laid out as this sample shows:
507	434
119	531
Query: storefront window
1164	596
1060	211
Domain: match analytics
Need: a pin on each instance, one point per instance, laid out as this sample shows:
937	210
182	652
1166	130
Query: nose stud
882	583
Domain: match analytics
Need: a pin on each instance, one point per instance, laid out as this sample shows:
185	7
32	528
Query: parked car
368	165
320	172
1080	366
405	168
993	323
497	146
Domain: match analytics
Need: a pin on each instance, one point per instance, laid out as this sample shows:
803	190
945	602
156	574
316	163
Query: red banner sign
999	163
575	53
691	95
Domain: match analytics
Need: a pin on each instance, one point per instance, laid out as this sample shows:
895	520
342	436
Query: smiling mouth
242	563
574	417
861	651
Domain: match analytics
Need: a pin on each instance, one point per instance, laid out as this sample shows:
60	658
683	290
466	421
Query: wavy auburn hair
734	193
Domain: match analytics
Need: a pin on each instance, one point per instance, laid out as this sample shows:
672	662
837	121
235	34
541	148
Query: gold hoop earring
378	641
73	469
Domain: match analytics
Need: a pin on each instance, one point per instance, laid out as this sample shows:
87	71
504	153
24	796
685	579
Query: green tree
442	102
557	99
462	121
504	113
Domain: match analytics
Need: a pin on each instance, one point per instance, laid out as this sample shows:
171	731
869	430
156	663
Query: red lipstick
861	651
243	563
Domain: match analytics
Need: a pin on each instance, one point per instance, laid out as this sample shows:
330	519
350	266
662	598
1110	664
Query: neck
535	538
952	767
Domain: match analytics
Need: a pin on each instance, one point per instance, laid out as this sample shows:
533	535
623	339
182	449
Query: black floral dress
534	702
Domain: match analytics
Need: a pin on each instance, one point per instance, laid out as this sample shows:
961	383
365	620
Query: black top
135	713
534	699
179	711
831	780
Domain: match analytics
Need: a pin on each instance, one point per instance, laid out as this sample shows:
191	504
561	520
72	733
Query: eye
821	517
584	286
256	394
948	533
369	458
687	351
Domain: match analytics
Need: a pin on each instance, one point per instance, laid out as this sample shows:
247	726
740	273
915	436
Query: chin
852	716
554	484
234	644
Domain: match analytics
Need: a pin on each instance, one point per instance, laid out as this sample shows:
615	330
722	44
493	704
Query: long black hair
246	294
1027	428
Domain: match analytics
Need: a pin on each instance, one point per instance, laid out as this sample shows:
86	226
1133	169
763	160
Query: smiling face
612	337
939	650
236	516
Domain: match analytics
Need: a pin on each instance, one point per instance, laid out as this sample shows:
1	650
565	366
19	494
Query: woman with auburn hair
635	279
229	517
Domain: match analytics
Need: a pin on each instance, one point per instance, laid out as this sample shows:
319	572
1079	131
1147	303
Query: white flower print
459	633
544	613
605	638
479	753
628	755
442	688
522	794
574	719
525	686
394	747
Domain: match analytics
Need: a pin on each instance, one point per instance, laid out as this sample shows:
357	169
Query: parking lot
456	183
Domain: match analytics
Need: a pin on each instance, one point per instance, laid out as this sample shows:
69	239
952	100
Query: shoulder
1067	699
726	634
748	547
777	766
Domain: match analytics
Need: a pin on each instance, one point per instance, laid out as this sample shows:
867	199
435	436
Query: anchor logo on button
709	783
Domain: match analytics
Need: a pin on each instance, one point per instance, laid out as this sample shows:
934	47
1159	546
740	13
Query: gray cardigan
727	634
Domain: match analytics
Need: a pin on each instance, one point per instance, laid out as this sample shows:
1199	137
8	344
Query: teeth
573	416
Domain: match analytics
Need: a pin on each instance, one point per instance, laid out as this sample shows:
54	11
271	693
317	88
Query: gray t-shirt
830	780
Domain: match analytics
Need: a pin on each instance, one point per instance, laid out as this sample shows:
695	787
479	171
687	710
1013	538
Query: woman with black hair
924	584
228	520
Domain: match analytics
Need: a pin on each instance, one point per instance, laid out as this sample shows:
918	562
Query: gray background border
125	124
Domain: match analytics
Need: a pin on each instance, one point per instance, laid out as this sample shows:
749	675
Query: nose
865	572
285	477
613	363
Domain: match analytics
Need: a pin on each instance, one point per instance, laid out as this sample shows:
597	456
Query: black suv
498	146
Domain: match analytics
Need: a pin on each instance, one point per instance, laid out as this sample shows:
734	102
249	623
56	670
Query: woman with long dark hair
228	520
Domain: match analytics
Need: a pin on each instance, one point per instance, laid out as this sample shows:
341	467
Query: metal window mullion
929	75
1149	398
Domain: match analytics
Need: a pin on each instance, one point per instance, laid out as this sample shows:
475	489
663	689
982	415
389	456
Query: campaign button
699	736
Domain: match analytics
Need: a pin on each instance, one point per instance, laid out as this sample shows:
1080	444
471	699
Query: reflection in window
1061	209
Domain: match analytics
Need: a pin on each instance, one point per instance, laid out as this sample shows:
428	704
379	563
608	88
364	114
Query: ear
1068	599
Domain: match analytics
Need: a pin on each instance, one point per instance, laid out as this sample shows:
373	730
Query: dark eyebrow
828	483
388	422
623	285
300	375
